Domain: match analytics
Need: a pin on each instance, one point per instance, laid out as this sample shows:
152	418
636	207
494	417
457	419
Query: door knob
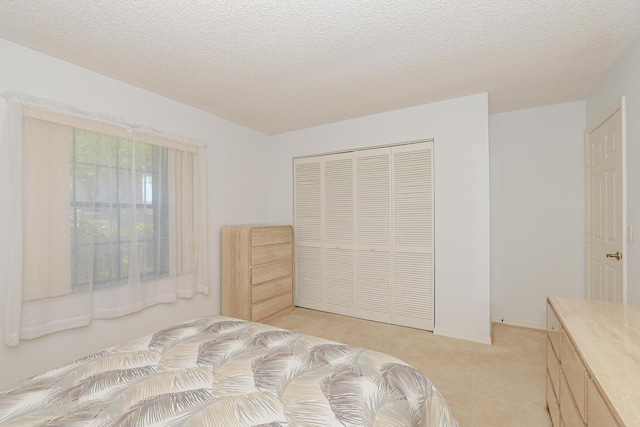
617	255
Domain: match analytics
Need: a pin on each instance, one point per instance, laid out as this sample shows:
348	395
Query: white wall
623	79
237	193
537	210
460	130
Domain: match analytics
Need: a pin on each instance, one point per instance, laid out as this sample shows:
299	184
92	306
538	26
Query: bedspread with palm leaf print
220	371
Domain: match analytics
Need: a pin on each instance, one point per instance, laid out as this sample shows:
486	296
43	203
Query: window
105	207
111	219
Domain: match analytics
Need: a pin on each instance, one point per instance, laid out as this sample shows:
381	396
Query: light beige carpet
485	386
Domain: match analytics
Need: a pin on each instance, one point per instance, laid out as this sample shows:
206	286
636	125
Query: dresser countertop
607	336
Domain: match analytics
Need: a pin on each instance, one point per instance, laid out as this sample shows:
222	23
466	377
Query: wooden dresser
593	363
257	271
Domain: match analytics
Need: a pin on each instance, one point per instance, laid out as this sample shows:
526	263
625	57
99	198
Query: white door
338	241
373	234
413	261
606	209
308	232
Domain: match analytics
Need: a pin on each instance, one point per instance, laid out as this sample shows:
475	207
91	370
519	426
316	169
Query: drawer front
270	289
271	253
271	235
575	373
552	404
553	367
598	414
267	272
553	328
568	411
271	306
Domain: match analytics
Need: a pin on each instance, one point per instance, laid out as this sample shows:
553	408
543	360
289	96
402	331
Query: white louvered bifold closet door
308	232
338	244
373	234
364	226
413	275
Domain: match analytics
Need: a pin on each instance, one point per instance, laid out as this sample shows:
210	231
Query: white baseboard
521	323
466	337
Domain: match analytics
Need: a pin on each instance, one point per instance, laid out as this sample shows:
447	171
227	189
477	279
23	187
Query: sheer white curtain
102	219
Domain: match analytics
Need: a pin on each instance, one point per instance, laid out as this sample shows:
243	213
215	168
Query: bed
221	371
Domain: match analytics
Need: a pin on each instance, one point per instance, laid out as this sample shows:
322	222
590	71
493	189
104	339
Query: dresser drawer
270	289
271	306
553	367
271	253
261	236
575	374
552	403
267	272
598	414
554	329
570	415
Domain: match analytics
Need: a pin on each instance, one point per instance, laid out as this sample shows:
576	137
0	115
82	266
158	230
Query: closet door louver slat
413	287
373	229
338	246
308	233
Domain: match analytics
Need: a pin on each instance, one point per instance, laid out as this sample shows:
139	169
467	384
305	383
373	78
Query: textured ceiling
276	65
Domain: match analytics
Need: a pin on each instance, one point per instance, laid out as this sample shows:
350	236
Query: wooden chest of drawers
257	271
590	366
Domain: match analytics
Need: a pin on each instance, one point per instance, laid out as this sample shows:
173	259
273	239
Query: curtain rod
68	110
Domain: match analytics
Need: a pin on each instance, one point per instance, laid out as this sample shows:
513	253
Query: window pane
104	223
129	224
84	182
144	157
146	258
126	220
106	149
144	224
95	183
106	263
92	147
143	187
81	265
125	190
84	226
163	262
147	188
125	153
138	187
106	185
125	259
85	147
99	226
